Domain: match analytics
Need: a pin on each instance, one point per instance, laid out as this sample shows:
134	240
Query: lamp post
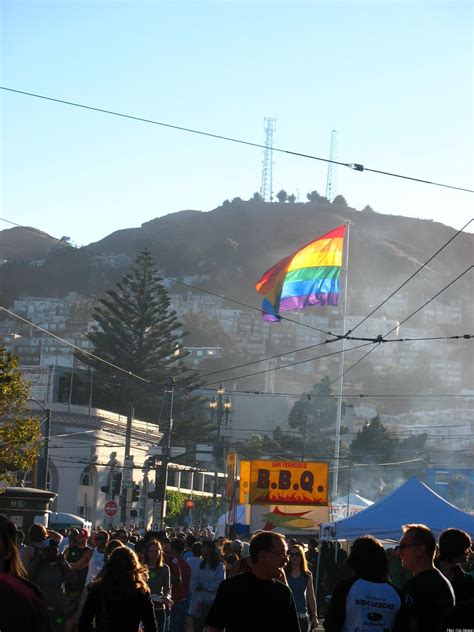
220	408
43	471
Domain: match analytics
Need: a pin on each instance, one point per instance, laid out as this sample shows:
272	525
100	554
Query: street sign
174	451
110	508
127	470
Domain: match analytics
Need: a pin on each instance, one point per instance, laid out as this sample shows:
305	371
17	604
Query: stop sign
111	508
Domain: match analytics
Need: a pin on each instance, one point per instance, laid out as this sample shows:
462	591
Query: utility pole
127	481
161	472
221	408
42	479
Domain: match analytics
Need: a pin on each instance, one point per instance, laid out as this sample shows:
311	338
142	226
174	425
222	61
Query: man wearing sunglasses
427	597
258	600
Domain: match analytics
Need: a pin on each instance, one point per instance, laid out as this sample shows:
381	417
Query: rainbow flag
309	276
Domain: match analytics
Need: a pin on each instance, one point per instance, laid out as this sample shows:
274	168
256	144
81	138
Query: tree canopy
379	461
314	417
19	433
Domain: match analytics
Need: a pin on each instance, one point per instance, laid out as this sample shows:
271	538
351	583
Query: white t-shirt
96	564
371	607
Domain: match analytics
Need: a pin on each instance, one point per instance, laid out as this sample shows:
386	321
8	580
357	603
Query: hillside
236	242
24	244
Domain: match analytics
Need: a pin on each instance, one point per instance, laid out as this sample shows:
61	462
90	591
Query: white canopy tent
413	502
352	499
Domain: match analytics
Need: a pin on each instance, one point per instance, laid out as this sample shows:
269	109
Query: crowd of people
190	581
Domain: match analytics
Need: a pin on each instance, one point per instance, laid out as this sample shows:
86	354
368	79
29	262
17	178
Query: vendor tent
242	520
352	499
413	502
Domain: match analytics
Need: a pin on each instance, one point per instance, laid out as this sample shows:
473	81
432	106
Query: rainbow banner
309	276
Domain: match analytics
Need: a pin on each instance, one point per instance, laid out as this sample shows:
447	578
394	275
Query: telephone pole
161	472
127	480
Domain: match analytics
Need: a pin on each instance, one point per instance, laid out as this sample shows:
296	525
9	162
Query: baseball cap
236	545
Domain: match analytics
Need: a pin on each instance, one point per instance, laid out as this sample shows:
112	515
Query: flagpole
337	443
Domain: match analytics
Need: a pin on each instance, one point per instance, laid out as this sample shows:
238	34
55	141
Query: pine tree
137	331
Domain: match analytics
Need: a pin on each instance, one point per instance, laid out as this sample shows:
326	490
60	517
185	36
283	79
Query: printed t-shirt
363	605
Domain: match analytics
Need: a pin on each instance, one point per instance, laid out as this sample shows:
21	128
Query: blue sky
394	78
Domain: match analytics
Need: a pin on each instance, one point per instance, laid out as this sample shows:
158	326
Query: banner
244	486
288	519
287	482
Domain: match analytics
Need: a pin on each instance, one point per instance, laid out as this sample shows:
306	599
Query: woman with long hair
158	581
119	600
368	595
22	607
300	581
204	583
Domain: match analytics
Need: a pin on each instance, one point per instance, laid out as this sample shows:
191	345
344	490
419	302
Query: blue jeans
178	615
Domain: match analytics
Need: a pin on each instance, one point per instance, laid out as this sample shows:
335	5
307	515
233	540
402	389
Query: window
86	477
441	478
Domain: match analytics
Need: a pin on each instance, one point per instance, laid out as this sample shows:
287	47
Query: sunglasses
400	547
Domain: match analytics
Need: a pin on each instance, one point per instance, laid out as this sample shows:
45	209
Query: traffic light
218	450
105	489
150	463
135	493
117	484
133	513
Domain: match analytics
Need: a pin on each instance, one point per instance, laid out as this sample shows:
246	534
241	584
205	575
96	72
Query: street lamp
220	408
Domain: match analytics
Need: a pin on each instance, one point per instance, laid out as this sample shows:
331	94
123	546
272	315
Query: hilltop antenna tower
332	176
266	189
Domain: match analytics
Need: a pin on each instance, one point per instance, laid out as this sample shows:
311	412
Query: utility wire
354	166
377	341
279	355
354	395
431	299
415	312
92	355
411	277
285	366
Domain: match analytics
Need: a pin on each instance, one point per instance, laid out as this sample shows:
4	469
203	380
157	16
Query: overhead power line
350	165
92	355
411	277
284	366
430	300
